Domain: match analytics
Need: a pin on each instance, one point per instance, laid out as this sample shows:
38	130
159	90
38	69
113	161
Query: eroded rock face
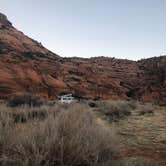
26	66
4	22
153	79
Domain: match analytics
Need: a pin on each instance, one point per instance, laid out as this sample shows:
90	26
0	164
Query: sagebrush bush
115	110
67	137
145	109
26	99
63	135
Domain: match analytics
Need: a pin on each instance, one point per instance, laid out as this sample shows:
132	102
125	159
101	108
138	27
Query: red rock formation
26	66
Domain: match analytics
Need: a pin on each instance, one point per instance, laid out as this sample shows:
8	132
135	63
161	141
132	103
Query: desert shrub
145	109
31	55
132	104
66	138
115	110
161	104
25	100
138	161
24	114
92	104
6	126
4	48
117	114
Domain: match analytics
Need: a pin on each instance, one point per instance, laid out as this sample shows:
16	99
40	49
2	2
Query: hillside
28	67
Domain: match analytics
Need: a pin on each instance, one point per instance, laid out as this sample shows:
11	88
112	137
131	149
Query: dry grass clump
68	137
138	161
119	109
115	110
63	134
25	113
145	109
26	99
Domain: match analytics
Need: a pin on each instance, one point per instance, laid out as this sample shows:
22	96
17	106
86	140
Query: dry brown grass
26	99
114	110
66	137
120	109
142	134
64	134
145	109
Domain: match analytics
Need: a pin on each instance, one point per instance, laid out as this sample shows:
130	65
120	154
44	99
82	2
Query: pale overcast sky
131	29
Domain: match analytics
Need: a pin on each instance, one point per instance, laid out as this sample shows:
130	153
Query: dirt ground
141	135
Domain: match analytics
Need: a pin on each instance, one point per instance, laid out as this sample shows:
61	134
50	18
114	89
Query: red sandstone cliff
26	66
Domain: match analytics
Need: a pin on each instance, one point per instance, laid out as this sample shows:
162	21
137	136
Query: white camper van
68	98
